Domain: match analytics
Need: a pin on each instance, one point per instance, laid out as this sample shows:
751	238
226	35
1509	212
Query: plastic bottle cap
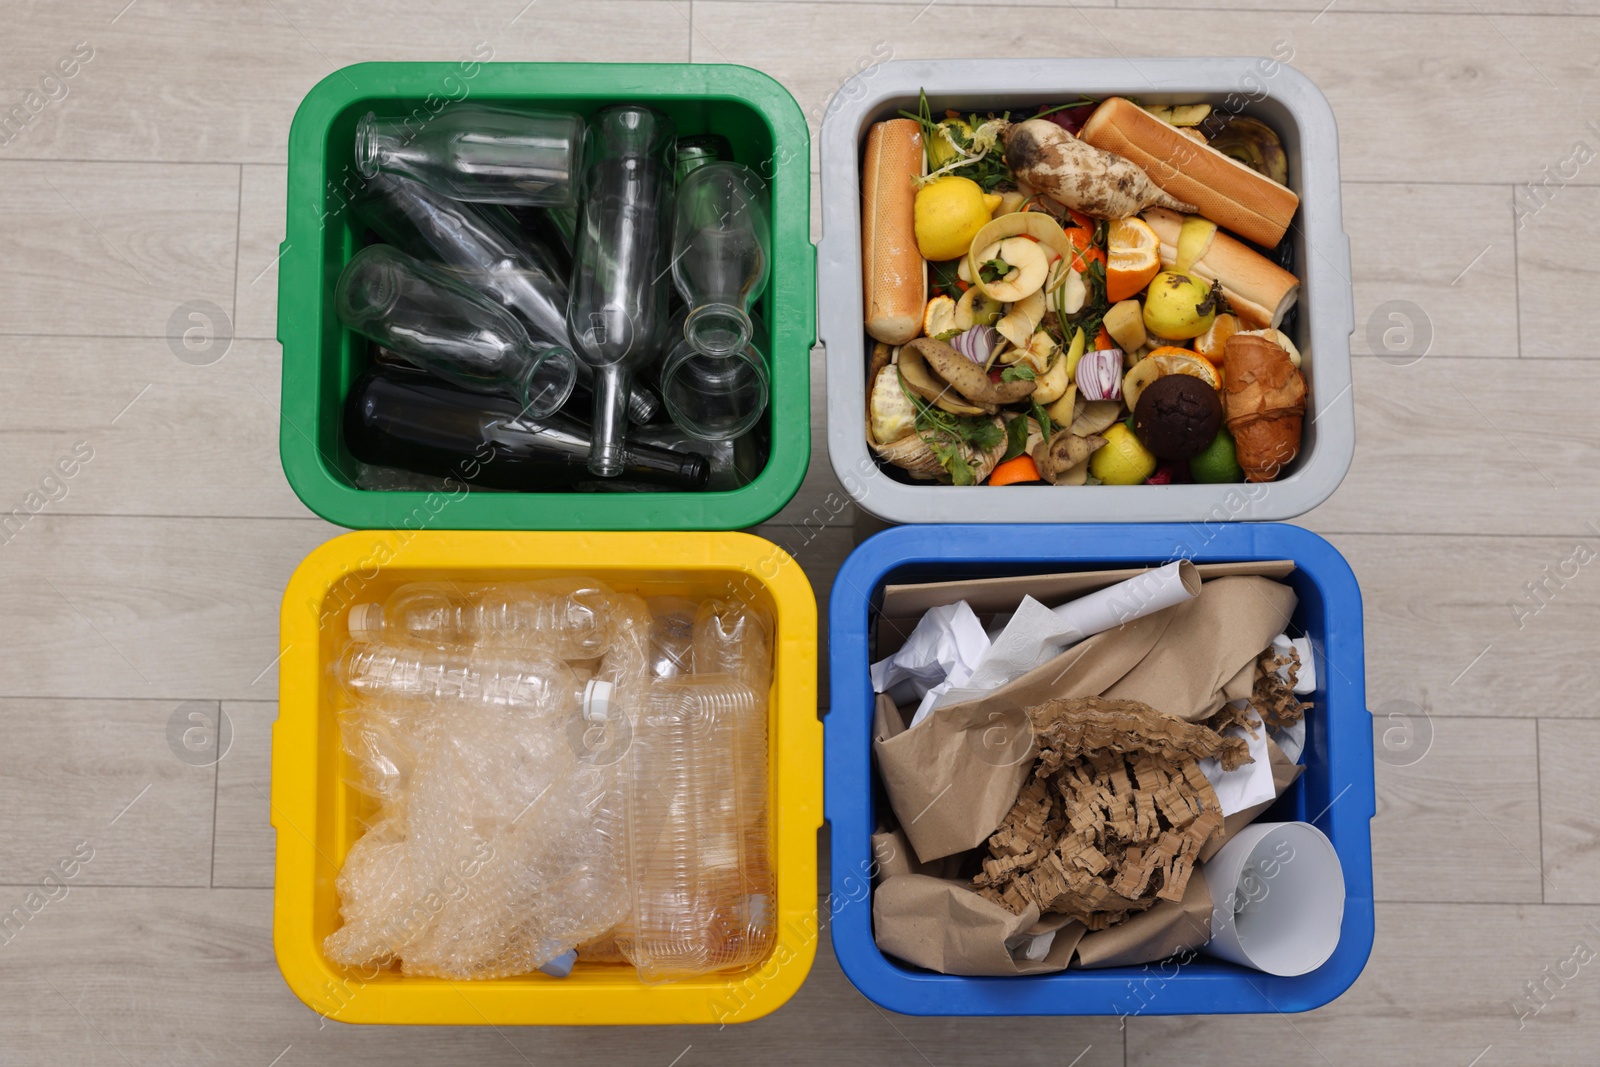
561	966
597	700
366	619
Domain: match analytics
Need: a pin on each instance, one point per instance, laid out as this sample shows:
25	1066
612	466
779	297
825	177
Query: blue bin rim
1203	986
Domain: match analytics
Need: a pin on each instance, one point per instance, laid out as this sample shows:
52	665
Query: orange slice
1134	258
1164	361
1214	341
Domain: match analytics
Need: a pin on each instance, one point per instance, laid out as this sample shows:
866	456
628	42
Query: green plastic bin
321	358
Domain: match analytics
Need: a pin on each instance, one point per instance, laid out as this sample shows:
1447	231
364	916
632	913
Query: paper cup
1277	894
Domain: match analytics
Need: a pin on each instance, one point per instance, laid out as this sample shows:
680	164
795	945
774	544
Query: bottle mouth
367	145
606	461
718	329
548	384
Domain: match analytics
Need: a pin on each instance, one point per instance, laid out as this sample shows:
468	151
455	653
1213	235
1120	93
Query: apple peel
1035	224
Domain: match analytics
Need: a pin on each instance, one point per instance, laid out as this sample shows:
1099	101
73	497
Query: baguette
1258	290
894	274
1227	192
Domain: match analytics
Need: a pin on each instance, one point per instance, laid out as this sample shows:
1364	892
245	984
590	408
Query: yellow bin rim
317	815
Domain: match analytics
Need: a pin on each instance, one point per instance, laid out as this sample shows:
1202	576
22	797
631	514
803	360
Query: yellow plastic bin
318	815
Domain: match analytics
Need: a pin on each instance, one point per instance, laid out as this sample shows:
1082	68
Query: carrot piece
1102	340
1021	469
1081	219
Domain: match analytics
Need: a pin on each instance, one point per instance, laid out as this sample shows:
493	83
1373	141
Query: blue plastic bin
1335	792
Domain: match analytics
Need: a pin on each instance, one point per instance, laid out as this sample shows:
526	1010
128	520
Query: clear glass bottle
721	254
696	151
617	315
400	417
441	326
566	617
698	839
486	154
714	398
484	248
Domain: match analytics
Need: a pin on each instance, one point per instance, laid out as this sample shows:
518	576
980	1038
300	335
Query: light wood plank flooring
150	587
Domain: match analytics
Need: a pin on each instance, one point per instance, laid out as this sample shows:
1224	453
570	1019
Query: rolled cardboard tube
1277	893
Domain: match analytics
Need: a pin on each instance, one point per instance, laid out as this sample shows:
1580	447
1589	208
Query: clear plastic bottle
733	637
443	327
671	636
698	838
721	254
570	618
531	683
487	154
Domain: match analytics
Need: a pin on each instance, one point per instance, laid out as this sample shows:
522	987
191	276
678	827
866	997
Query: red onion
975	344
1100	374
1073	118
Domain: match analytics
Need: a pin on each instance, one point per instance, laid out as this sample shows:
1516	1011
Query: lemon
1122	460
948	214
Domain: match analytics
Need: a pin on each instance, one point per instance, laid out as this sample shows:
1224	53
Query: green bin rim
302	289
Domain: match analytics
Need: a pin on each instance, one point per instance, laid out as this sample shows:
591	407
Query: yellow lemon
948	214
1123	460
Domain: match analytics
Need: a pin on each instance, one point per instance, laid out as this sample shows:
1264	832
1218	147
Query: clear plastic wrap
500	845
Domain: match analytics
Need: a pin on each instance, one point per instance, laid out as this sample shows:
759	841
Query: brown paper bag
1166	929
953	777
945	927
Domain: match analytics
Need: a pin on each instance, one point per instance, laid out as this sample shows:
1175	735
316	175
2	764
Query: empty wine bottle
617	316
441	326
402	418
720	254
486	250
487	154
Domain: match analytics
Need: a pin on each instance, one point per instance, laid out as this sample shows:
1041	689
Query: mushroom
1064	451
964	376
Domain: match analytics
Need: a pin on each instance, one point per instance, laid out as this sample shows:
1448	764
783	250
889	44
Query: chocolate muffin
1178	416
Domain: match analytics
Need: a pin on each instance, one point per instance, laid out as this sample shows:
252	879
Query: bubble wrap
500	841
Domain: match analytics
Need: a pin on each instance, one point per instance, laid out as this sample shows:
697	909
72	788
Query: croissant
1264	398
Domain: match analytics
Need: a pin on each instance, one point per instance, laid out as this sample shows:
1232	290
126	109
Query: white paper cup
1278	898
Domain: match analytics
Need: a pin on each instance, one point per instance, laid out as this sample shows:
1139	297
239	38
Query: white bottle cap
366	620
597	700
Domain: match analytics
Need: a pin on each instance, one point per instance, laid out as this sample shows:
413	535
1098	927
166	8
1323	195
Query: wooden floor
147	585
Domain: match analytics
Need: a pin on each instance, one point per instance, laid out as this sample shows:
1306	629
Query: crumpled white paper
1036	634
1248	785
1306	678
948	642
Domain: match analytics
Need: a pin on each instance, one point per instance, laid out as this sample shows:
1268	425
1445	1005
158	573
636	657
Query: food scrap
1028	275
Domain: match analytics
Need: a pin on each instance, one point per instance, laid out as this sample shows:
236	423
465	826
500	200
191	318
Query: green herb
950	437
1080	102
1040	417
1022	372
945	275
993	270
1016	438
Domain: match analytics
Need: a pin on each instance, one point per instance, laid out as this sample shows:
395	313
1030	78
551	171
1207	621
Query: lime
1122	460
947	215
1217	462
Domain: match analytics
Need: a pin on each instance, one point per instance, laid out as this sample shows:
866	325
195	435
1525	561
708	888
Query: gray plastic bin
1278	95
